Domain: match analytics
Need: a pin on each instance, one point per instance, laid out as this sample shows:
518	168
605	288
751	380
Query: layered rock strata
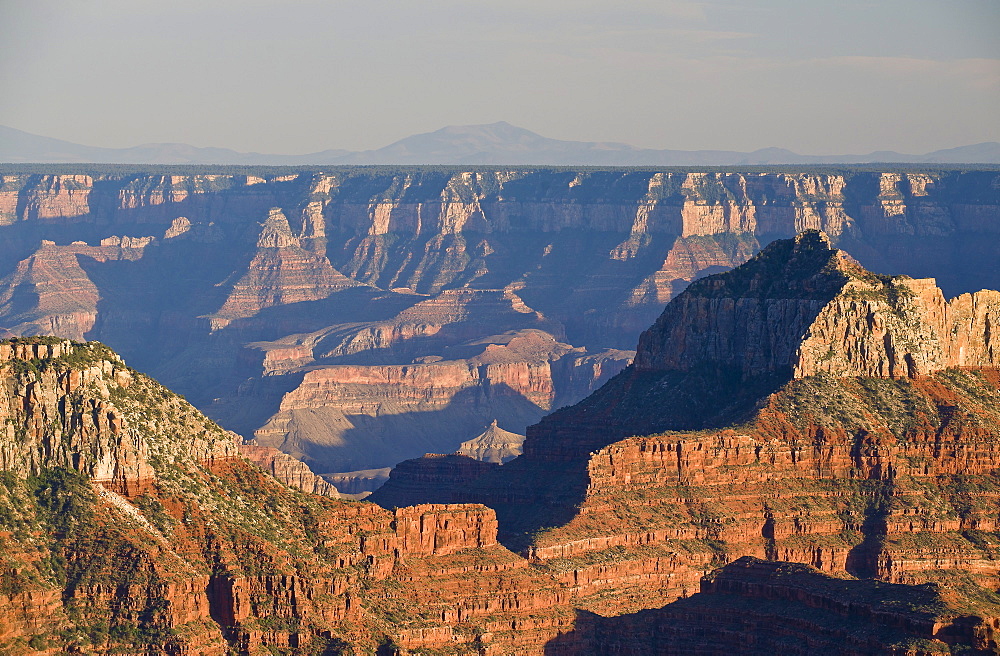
757	607
493	445
129	523
244	283
288	470
798	408
141	528
797	309
345	416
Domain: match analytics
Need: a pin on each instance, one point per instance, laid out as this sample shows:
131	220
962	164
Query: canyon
797	408
358	317
828	484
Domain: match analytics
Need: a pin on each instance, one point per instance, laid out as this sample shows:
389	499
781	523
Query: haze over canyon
496	143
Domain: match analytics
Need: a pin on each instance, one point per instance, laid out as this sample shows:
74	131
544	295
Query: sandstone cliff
798	308
288	470
129	523
348	416
798	408
755	607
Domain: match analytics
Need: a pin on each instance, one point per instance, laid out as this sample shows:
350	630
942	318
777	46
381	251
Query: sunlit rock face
797	408
121	506
242	291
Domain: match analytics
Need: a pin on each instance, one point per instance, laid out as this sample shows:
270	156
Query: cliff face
59	410
288	470
348	416
829	316
799	308
265	280
798	408
130	523
757	607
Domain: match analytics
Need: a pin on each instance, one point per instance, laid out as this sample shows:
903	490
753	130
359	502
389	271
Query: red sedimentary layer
288	470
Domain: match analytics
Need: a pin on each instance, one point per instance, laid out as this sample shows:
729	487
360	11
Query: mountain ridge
497	143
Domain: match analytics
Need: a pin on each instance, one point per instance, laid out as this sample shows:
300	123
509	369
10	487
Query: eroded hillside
131	524
798	408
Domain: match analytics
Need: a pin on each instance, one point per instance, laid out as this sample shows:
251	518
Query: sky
300	76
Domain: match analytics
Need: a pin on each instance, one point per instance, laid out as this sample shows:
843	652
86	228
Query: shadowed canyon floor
313	310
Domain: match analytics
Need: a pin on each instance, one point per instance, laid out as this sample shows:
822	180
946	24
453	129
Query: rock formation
431	478
130	523
493	445
240	290
288	470
864	445
798	408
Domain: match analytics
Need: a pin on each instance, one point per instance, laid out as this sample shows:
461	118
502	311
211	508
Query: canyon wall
242	291
130	523
798	408
755	607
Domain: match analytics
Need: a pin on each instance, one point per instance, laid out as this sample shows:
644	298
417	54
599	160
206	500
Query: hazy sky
298	76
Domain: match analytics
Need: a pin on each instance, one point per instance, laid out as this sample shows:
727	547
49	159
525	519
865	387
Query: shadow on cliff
650	402
862	559
758	607
153	310
385	438
545	487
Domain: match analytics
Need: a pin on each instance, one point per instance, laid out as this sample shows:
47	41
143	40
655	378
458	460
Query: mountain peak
801	307
485	143
806	266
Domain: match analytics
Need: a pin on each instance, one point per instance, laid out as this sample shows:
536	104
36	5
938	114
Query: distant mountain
22	147
495	143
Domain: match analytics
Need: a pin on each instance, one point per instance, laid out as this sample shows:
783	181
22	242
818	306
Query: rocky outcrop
288	470
64	405
798	408
281	273
854	323
434	530
130	523
49	293
493	445
798	308
360	482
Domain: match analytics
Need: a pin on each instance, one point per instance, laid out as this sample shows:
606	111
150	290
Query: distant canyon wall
241	291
